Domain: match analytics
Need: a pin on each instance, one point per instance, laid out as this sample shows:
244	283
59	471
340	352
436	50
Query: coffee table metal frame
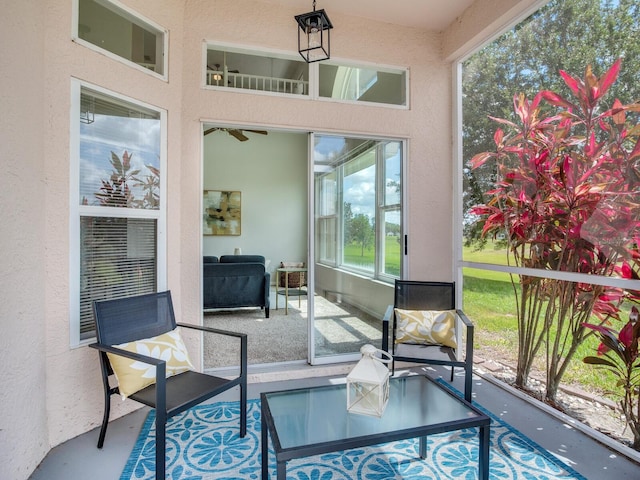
333	397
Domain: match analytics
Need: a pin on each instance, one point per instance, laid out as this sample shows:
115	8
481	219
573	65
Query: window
235	68
239	68
358	205
117	235
111	27
360	84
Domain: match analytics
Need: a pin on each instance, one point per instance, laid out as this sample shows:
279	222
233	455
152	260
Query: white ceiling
432	15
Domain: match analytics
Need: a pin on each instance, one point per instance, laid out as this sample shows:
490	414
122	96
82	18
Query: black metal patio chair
132	319
434	297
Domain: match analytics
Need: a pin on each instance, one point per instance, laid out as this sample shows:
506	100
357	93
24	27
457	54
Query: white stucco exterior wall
23	410
52	392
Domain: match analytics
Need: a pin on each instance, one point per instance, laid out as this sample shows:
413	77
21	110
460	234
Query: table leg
265	447
423	447
484	453
282	470
286	293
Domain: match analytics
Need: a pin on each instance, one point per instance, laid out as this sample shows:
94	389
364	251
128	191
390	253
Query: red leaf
479	159
571	82
626	334
555	99
607	80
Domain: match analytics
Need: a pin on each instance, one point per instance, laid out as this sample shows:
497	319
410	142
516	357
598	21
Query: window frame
135	18
76	210
377	273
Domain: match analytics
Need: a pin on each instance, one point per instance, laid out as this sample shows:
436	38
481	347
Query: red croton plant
566	199
618	352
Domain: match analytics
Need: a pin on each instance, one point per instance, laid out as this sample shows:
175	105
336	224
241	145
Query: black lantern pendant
313	35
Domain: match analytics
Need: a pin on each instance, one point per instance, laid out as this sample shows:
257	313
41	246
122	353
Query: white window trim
76	210
134	17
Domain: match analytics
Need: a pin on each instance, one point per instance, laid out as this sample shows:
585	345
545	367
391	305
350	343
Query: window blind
117	259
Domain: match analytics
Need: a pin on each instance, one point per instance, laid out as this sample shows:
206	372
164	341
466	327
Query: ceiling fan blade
261	132
209	130
238	135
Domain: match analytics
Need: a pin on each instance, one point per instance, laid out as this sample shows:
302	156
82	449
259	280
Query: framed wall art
222	212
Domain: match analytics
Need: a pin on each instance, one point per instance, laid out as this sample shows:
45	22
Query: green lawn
489	301
353	255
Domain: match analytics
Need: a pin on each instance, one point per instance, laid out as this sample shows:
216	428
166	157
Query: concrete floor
79	458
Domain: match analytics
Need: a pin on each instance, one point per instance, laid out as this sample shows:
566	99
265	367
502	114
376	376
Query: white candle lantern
368	383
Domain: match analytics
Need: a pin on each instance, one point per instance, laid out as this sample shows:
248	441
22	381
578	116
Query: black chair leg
243	410
468	381
105	419
452	372
161	446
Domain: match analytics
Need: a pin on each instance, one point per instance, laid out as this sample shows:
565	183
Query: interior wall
270	171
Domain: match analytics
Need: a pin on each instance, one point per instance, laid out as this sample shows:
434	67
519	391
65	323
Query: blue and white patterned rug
204	444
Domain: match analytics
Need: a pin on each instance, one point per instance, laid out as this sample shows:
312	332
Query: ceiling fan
236	132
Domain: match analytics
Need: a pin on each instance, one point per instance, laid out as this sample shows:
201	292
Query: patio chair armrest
385	327
467	323
241	336
125	353
212	330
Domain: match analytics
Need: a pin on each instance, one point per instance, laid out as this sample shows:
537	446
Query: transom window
234	68
363	84
111	27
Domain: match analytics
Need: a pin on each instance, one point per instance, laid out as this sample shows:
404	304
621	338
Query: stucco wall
51	392
481	22
23	422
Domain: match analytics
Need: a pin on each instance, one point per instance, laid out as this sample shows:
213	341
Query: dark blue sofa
233	281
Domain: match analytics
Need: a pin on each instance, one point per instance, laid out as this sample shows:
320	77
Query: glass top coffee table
314	421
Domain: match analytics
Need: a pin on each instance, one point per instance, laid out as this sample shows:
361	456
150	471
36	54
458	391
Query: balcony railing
257	82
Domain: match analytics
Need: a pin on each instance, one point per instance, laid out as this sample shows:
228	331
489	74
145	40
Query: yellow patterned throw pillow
430	327
133	376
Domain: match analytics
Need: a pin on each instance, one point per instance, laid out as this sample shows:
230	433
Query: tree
361	232
563	35
567	197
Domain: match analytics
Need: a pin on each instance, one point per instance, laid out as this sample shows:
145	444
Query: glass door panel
356	249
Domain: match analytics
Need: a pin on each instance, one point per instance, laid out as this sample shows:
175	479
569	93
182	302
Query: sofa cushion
242	259
210	259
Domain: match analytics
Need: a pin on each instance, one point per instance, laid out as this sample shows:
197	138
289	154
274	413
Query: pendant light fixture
314	43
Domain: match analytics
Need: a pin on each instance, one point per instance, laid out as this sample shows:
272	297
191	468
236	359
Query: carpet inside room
339	328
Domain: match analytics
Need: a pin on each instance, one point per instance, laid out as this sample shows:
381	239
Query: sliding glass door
357	241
